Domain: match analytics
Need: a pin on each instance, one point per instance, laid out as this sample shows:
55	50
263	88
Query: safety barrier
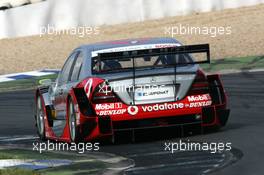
27	20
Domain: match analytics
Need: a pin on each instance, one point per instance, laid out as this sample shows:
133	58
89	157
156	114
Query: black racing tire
73	128
40	118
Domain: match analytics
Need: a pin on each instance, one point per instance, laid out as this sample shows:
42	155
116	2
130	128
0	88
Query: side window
77	67
66	70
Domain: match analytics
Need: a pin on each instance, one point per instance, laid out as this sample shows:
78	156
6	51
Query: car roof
127	42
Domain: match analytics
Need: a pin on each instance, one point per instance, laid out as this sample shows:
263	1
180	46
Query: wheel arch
79	97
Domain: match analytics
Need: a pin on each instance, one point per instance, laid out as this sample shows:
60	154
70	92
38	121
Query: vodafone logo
162	107
132	110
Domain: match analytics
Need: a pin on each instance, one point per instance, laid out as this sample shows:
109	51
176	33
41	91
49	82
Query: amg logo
199	97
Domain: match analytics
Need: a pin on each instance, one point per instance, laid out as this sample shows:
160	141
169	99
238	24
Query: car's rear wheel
74	132
40	113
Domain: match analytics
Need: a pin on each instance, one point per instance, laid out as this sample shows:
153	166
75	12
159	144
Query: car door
63	85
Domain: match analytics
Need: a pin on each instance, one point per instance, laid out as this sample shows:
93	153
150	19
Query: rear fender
219	99
216	89
89	85
82	95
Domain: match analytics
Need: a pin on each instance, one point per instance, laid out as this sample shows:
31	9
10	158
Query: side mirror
45	82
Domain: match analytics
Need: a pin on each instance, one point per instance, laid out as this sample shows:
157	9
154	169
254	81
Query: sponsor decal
107	106
166	45
193	101
111	112
137	47
109	109
198	101
200	104
162	107
132	110
153	93
203	97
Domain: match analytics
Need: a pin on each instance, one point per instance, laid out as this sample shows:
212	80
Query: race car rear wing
134	54
186	49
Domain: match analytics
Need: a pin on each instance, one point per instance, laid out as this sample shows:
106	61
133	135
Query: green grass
29	154
24	83
77	168
83	163
17	171
241	63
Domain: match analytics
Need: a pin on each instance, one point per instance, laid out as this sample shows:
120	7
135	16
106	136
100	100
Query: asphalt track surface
245	130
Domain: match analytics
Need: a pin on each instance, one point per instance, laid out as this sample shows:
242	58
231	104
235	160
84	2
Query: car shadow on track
157	134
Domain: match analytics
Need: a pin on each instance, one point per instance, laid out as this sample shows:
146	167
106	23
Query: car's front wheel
40	123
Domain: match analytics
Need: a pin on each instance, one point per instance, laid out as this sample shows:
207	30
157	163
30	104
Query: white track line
186	164
17	138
